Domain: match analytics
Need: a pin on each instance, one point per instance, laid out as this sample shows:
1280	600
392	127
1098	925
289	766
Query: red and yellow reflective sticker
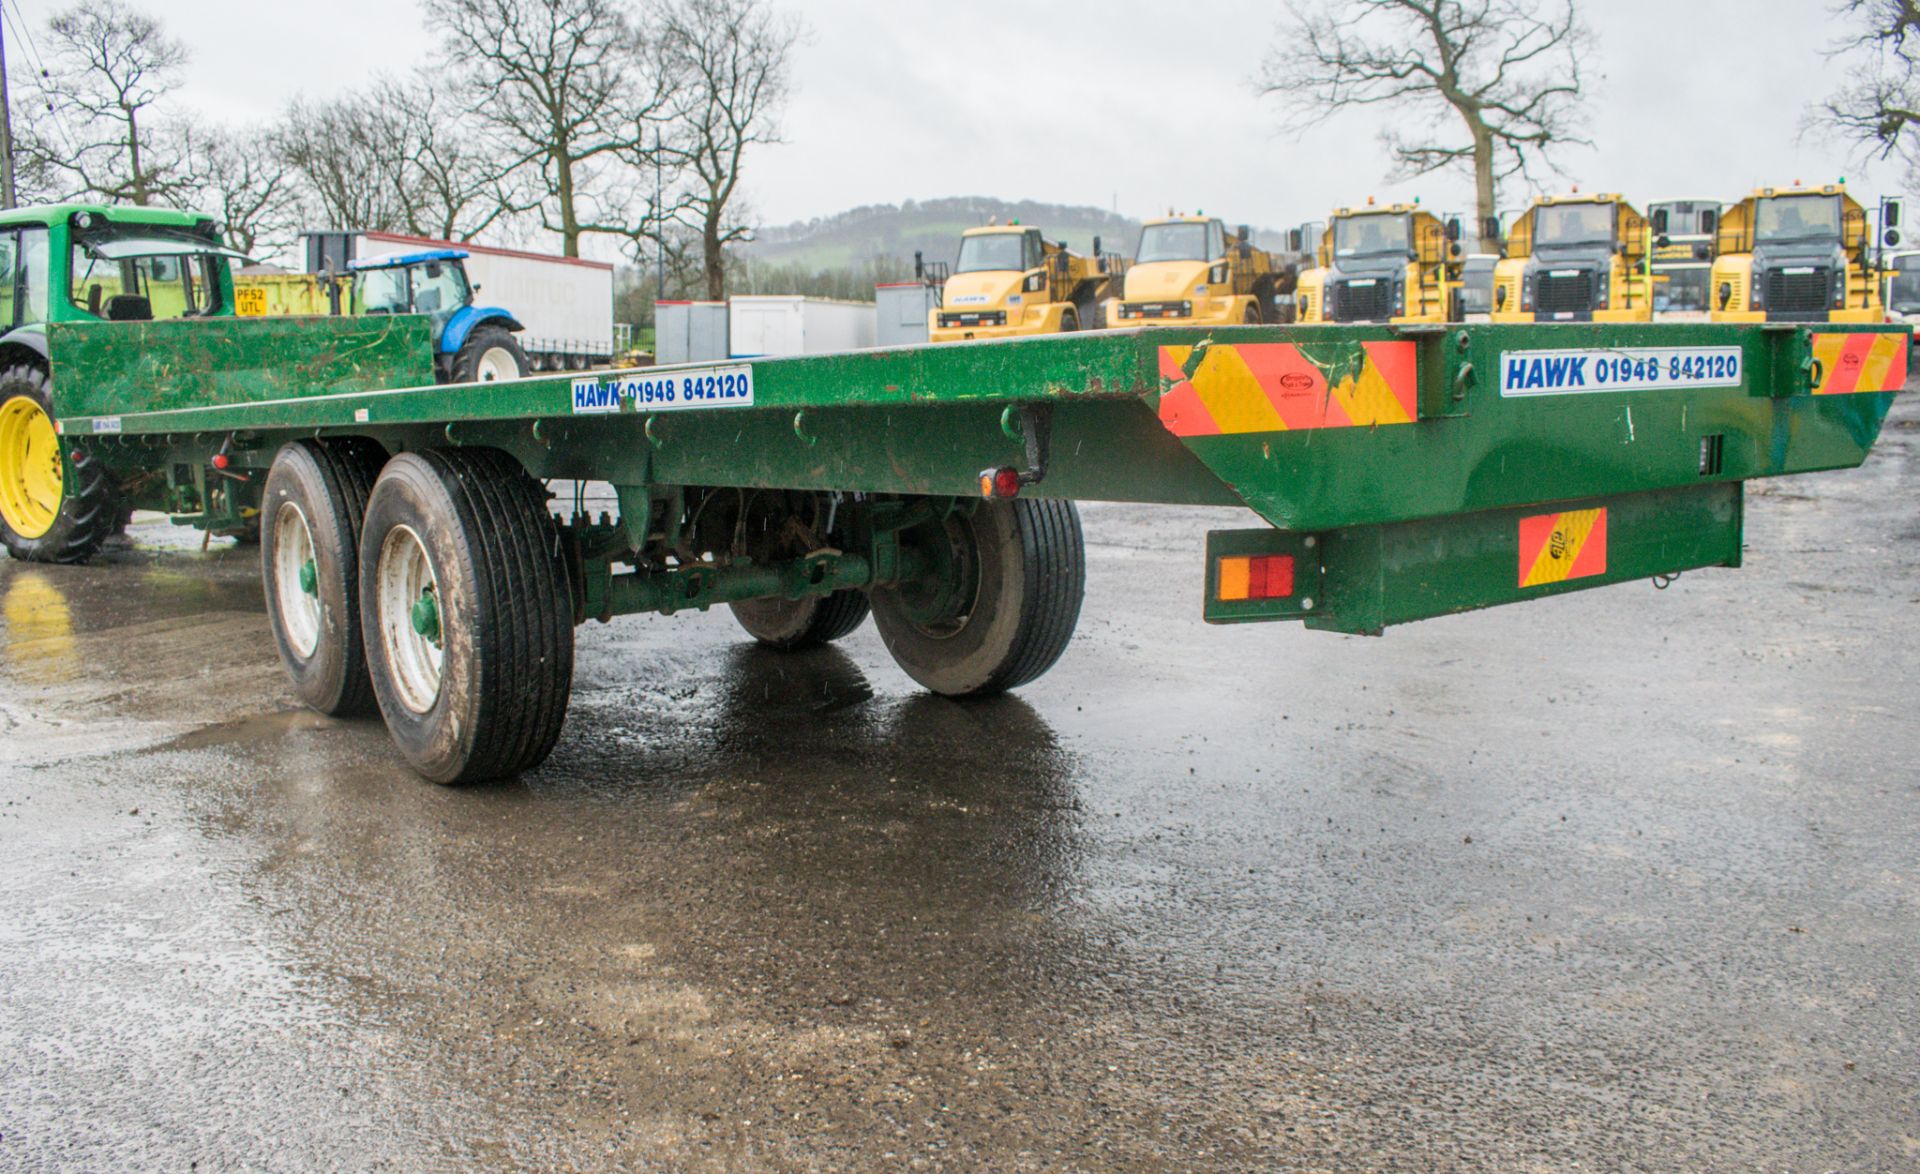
1558	547
1859	362
1273	387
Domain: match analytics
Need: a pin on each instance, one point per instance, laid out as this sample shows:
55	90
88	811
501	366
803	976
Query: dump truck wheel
489	354
468	614
789	624
1003	605
1069	320
309	535
1252	316
47	515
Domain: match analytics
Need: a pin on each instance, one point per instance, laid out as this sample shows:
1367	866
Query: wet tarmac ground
1624	880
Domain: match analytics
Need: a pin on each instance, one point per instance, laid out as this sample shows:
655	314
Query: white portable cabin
789	324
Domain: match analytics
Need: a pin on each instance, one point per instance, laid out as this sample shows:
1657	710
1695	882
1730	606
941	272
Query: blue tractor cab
471	344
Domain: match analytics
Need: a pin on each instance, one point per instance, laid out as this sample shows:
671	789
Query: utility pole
6	129
660	250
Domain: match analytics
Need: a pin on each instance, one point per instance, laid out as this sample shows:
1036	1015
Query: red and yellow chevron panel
1558	547
1860	362
1273	387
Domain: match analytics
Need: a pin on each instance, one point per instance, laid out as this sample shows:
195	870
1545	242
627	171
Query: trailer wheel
490	353
311	508
1002	605
469	617
47	516
789	624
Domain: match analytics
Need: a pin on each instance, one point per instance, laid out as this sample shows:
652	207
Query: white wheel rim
496	363
299	608
402	578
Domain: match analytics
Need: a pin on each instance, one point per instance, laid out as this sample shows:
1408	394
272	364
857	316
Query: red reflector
1001	482
221	460
1270	576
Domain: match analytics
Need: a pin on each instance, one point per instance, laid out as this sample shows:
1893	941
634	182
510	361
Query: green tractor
80	263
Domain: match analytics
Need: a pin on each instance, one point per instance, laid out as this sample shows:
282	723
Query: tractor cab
470	344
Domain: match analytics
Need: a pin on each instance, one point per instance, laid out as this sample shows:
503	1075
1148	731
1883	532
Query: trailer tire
310	512
1005	611
792	624
489	354
468	613
53	508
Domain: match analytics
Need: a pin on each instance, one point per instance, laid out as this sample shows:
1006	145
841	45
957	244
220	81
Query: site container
900	312
766	325
690	332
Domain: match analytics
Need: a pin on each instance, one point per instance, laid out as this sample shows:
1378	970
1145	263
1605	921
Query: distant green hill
882	238
892	233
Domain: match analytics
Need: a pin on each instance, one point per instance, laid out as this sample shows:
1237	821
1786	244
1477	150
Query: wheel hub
32	483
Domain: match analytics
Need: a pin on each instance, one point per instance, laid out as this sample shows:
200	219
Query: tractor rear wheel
52	509
489	354
468	614
1001	603
315	497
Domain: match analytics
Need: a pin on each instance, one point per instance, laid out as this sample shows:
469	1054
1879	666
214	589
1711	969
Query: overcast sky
1129	105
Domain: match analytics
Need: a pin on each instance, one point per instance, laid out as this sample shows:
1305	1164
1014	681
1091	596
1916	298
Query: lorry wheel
789	624
1002	605
468	614
47	515
315	496
489	353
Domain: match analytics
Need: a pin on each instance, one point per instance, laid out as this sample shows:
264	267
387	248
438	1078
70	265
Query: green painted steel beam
926	420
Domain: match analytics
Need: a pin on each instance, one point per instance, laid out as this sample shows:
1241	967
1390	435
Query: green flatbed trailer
412	562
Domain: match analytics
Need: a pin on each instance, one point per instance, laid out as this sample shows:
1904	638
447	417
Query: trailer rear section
414	562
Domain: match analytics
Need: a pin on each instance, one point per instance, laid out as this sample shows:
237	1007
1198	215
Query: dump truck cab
471	344
83	263
1010	280
1191	270
1795	254
1575	258
1392	263
1683	234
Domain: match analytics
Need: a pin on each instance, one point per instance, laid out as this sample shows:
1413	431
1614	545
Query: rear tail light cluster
1261	576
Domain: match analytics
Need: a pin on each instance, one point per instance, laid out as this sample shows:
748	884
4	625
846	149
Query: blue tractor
471	344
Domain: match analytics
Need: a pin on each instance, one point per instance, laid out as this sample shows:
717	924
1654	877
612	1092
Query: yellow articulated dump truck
1795	254
1191	270
1009	280
1575	258
1392	263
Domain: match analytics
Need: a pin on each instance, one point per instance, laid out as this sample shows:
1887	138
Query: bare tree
238	176
728	60
1504	75
1880	110
108	66
349	171
451	185
394	158
565	92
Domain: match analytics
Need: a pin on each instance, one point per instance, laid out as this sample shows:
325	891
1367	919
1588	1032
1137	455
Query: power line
22	31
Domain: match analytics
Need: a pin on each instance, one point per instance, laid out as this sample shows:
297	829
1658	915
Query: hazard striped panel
1558	547
1859	362
1275	387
